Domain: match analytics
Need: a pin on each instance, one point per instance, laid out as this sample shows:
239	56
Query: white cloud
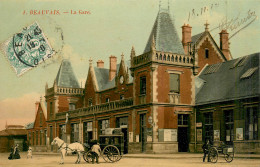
18	110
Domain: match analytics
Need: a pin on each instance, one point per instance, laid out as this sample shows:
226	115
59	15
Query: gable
40	118
206	35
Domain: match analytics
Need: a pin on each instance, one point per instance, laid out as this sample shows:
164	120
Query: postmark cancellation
27	49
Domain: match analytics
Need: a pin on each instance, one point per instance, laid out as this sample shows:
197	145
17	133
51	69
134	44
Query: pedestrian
29	152
96	150
205	148
11	154
16	154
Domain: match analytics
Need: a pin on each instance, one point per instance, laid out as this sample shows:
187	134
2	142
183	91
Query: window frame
254	123
143	85
171	87
208	125
206	53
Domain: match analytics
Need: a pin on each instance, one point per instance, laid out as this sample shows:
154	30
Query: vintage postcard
129	83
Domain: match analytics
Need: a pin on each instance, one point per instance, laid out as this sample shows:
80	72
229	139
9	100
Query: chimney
186	37
37	103
224	44
100	64
112	69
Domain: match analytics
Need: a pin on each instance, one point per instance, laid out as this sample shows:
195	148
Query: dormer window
206	53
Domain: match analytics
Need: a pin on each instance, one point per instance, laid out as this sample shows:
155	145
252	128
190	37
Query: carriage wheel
213	155
111	154
88	156
229	157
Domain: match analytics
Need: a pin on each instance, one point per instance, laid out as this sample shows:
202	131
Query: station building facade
152	97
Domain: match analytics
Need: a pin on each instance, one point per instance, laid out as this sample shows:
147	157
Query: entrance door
183	143
124	130
183	138
143	132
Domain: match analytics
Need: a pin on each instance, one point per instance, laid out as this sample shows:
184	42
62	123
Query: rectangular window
175	83
33	139
229	125
251	124
143	85
74	133
208	126
206	53
103	125
88	132
122	122
183	119
51	112
45	137
40	137
37	138
72	106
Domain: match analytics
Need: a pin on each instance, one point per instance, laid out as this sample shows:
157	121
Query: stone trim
216	49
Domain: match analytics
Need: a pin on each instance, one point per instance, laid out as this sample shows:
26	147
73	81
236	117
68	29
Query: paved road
49	161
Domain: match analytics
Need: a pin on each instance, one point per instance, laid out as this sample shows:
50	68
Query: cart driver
96	150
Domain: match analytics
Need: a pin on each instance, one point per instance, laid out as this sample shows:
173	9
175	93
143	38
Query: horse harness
66	147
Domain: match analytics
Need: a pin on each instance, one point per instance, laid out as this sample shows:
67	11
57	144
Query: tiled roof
226	82
165	35
13	132
66	76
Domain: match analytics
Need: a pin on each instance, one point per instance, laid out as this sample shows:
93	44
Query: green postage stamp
27	49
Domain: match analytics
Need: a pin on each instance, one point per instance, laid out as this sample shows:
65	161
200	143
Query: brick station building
151	97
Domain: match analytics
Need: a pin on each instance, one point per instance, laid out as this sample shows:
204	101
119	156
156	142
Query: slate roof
196	37
13	132
102	76
66	76
29	125
165	35
226	82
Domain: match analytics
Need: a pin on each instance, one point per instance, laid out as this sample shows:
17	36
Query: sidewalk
165	156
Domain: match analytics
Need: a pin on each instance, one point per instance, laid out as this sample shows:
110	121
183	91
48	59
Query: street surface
127	161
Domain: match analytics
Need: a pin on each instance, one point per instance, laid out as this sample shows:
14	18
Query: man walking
205	148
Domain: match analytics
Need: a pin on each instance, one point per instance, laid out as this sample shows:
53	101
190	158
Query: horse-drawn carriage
112	147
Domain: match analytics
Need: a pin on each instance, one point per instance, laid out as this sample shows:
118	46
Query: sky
102	28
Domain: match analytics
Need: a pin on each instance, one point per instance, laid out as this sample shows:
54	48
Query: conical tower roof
66	76
165	35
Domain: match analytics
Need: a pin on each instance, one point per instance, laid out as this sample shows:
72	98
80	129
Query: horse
68	148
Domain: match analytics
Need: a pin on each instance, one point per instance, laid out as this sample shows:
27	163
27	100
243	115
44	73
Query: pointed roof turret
165	35
66	76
